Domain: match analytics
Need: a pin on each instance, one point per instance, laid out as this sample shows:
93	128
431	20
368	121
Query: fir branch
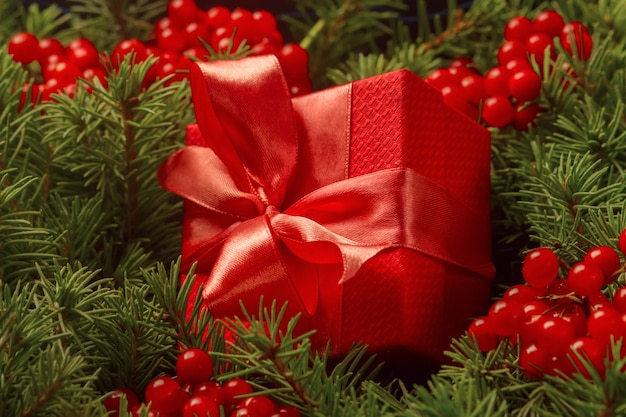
332	29
51	21
136	344
192	324
11	16
107	145
58	383
106	22
466	33
259	342
362	66
41	374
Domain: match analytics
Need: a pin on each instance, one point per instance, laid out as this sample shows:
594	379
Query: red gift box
365	206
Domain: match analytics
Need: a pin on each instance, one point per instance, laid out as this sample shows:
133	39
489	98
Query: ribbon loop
257	142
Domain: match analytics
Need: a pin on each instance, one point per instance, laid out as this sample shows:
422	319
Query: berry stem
460	23
313	33
283	370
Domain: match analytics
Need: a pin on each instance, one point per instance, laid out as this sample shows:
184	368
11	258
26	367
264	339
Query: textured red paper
403	296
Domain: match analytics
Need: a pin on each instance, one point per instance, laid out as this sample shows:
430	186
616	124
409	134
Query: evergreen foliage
90	292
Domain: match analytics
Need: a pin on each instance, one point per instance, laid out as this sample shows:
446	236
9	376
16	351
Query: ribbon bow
262	226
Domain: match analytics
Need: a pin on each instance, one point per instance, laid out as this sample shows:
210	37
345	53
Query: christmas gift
364	207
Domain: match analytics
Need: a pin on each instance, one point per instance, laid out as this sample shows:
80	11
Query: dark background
279	7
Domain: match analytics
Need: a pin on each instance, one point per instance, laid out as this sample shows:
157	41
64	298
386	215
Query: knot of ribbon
254	232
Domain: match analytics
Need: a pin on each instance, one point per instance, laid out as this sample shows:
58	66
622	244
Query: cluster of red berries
557	321
186	31
193	393
179	39
507	93
59	66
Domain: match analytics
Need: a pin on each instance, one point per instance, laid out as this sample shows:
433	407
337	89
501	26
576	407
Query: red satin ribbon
253	240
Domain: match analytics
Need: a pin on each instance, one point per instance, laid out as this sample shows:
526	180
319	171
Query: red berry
619	300
170	69
461	62
274	38
245	412
518	64
234	388
540	268
300	87
195	34
112	402
474	88
525	115
210	389
577	33
459	72
534	361
260	403
224	39
171	39
243	22
518	28
455	97
83	53
554	334
128	46
161	59
163	23
439	78
51	86
137	412
201	407
511	50
497	111
523	293
166	395
481	332
217	16
91	73
604	324
264	23
65	72
47	48
586	351
264	47
294	60
286	411
537	45
182	12
24	47
549	23
585	278
496	82
535	307
530	330
525	85
506	317
608	261
598	300
578	320
30	91
194	366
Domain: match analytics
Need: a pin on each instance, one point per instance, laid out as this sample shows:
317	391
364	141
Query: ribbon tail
253	262
355	257
316	244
